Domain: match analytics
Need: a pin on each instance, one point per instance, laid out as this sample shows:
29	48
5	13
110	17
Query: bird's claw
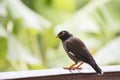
69	68
72	68
78	68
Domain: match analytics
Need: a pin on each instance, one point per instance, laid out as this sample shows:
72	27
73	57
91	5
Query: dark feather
77	50
77	47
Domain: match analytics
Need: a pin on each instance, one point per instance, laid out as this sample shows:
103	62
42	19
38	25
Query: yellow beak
57	37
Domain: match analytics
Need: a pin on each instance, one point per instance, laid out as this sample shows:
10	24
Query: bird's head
64	35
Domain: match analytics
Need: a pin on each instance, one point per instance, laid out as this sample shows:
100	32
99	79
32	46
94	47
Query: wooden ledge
110	73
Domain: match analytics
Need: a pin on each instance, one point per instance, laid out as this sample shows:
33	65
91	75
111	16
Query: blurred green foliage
27	30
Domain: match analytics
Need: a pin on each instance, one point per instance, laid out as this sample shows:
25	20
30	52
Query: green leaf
32	20
18	52
3	47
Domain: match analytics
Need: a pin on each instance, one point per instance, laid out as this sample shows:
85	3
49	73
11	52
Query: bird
77	51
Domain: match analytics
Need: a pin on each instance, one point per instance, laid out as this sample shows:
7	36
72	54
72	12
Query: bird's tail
96	68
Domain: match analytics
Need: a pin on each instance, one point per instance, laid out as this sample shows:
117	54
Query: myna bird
77	51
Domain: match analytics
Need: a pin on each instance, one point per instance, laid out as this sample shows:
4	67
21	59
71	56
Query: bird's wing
78	48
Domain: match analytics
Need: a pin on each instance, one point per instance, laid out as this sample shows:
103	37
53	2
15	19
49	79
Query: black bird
77	51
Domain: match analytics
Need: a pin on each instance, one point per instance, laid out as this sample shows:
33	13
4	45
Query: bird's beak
57	36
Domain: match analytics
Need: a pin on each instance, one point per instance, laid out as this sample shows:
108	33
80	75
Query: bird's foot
78	68
69	68
73	68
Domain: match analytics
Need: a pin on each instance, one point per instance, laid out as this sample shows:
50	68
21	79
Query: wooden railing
110	73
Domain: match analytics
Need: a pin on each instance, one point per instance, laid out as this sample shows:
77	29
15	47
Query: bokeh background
28	29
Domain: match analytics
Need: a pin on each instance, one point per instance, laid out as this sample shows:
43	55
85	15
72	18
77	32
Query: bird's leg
71	67
78	67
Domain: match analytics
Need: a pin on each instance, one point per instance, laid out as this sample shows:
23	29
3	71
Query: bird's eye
62	33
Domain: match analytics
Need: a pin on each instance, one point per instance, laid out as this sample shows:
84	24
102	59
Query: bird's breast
69	53
73	57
